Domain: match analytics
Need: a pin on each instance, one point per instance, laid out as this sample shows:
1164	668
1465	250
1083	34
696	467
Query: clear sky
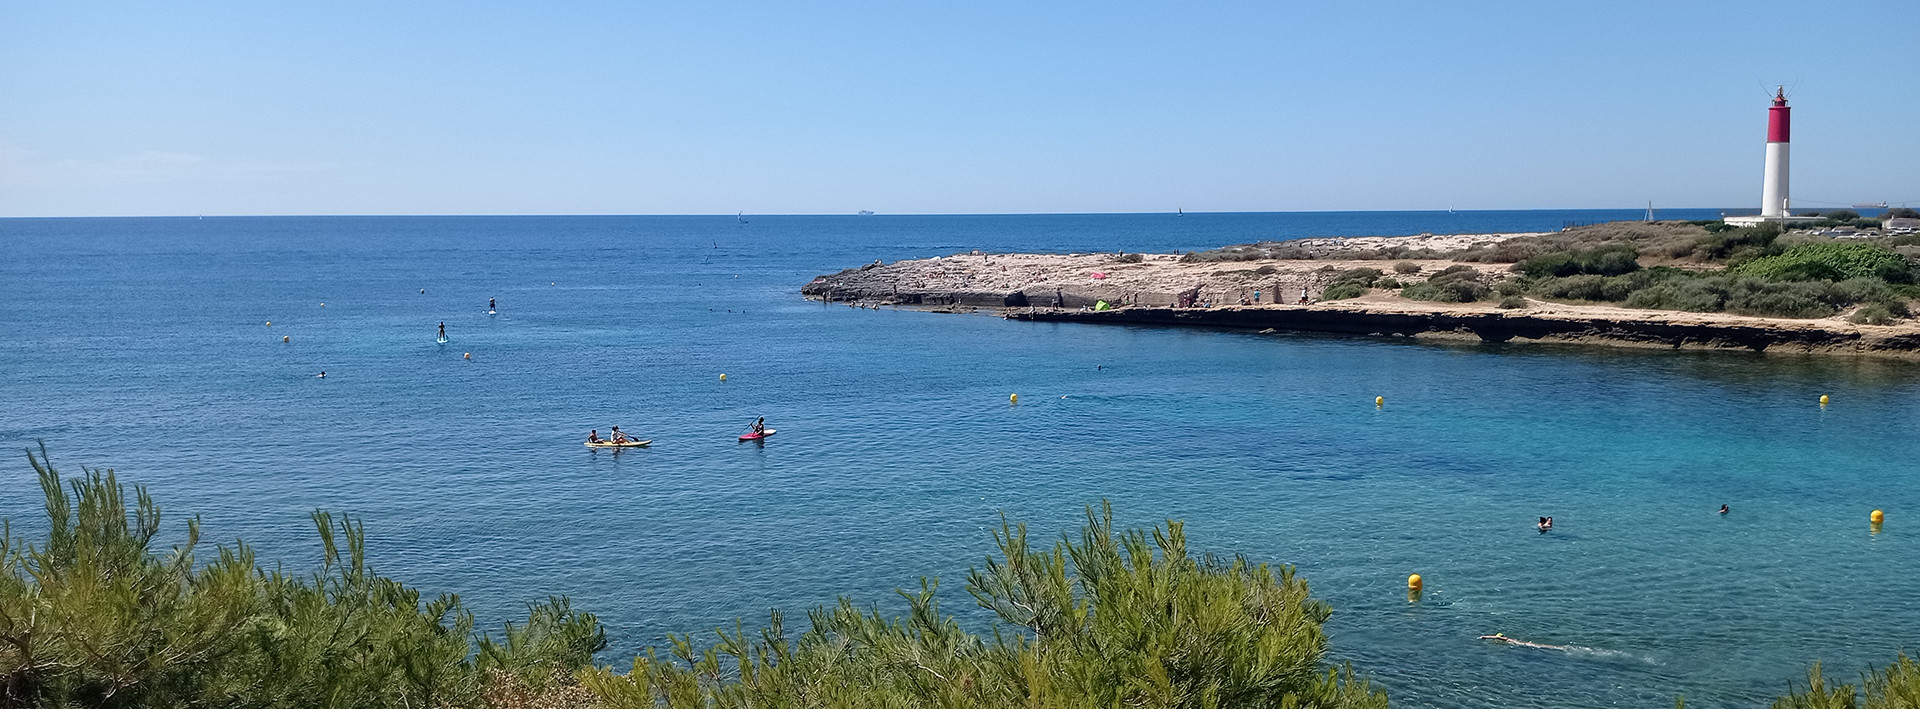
702	106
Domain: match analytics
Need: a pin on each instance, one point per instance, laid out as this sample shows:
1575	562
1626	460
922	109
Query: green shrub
1389	283
1831	261
1364	276
95	616
1513	301
1611	260
1721	243
1687	294
1455	284
1895	687
1510	286
1102	619
1875	314
1343	291
1587	287
1406	267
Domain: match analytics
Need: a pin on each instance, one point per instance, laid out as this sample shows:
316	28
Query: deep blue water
142	345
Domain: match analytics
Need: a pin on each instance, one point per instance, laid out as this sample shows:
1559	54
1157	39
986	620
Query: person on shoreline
593	436
1546	523
1724	510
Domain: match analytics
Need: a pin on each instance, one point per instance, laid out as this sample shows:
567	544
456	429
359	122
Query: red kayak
756	436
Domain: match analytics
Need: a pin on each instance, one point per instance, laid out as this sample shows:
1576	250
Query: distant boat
1874	205
742	217
1179	211
866	212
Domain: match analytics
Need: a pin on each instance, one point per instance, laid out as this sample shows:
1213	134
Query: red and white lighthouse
1773	193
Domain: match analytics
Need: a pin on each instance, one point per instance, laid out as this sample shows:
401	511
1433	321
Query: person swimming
1724	510
1502	638
321	375
1546	523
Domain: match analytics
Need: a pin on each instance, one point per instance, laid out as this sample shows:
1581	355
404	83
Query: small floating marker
269	323
723	377
323	305
423	291
1378	402
286	338
467	355
1013	398
1823	399
1877	517
1414	583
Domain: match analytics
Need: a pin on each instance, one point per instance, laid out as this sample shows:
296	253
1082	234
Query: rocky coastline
1282	294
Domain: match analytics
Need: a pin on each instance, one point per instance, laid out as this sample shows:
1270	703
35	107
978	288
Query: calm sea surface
142	345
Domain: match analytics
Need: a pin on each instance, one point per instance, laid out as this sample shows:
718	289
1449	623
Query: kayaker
593	436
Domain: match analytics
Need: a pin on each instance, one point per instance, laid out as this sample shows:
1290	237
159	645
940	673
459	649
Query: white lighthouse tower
1773	188
1773	192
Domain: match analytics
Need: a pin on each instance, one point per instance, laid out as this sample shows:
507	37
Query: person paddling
619	437
443	331
760	426
490	307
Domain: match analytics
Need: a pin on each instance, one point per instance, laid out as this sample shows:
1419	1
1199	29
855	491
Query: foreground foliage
95	616
1895	687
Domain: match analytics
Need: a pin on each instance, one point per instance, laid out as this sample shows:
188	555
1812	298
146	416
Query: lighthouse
1773	192
1773	188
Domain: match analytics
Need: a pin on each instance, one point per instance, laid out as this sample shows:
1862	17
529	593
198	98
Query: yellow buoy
1414	583
468	355
286	338
723	377
1013	398
323	305
1823	399
269	323
1379	401
1877	516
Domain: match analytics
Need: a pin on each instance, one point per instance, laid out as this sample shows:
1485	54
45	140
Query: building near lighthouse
1774	199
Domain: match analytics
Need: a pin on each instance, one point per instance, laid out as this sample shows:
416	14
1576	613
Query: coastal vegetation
95	615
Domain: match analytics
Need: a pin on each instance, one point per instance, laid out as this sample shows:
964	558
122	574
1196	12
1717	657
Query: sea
182	353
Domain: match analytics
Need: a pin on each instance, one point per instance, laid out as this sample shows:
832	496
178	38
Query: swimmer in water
321	375
1546	523
1502	638
1724	510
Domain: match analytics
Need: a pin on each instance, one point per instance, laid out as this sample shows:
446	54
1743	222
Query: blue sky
831	107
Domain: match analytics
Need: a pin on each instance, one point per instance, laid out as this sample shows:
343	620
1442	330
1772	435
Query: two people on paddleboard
619	436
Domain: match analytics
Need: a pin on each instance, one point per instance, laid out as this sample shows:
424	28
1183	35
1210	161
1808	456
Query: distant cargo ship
866	212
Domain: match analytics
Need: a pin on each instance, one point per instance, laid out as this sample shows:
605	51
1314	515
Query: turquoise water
141	345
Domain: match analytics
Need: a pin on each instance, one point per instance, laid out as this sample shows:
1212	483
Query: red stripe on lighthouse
1778	120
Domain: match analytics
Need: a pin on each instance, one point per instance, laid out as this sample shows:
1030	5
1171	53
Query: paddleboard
626	444
440	340
756	436
489	312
